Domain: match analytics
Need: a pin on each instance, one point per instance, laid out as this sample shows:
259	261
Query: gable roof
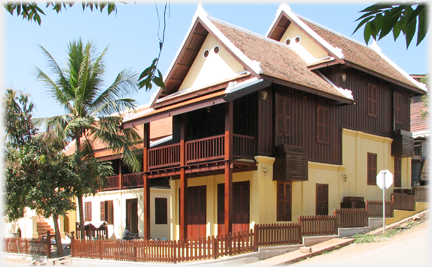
344	50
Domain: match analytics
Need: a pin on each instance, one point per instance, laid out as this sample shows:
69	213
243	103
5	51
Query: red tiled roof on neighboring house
418	124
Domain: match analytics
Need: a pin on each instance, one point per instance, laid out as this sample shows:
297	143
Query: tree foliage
382	18
32	11
425	99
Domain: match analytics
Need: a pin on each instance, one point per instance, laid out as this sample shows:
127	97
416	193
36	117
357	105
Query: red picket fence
351	217
318	225
166	251
278	234
35	246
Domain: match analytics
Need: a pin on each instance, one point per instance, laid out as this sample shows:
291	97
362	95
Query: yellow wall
307	45
214	68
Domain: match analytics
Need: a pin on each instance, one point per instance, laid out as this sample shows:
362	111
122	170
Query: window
161	210
371	168
398	108
372	94
323	125
107	211
322	199
87	211
284	116
284	200
397	172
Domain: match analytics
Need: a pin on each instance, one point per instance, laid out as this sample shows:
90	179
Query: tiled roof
418	124
277	60
360	54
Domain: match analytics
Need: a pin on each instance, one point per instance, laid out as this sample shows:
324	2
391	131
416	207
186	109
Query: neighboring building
261	129
420	131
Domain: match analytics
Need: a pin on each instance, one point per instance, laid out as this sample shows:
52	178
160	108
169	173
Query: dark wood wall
304	126
356	117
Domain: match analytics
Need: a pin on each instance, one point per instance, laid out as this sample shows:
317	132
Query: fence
166	251
278	234
421	193
403	201
318	225
351	217
36	246
374	208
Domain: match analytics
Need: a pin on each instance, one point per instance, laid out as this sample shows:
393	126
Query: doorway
132	215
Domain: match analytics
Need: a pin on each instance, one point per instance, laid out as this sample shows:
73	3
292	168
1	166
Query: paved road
412	248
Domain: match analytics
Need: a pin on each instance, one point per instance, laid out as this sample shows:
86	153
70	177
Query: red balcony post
228	168
183	182
120	176
146	186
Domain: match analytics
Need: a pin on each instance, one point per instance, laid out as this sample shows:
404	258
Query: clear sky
132	36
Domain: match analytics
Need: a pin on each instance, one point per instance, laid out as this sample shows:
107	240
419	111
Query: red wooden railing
205	149
166	156
243	146
113	183
278	234
318	225
351	217
166	251
132	180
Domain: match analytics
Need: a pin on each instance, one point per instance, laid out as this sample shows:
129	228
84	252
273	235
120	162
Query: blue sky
132	36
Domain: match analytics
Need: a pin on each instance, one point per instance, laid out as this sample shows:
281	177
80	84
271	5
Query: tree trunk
57	236
81	216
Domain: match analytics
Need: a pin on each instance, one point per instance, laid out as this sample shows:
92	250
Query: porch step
43	227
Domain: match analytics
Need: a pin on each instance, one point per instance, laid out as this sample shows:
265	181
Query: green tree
382	18
425	98
89	105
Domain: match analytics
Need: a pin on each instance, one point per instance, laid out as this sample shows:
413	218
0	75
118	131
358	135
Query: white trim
235	86
345	92
161	141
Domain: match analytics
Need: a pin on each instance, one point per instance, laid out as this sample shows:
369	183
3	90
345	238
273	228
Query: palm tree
89	107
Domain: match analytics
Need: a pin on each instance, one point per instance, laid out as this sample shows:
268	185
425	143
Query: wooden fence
166	251
421	193
278	234
351	217
35	246
403	201
318	225
374	208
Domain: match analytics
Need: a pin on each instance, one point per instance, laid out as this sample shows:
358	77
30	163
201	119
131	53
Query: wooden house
268	128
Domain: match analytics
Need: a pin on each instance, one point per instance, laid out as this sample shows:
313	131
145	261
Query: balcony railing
113	183
132	180
200	150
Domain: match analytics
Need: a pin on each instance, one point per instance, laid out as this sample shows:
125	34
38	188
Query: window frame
398	108
372	159
161	210
282	203
397	172
88	211
323	125
372	100
284	106
323	190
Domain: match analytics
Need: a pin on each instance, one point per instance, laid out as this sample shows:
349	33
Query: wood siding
383	124
304	130
265	124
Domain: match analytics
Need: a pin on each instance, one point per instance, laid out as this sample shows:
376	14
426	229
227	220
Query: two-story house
268	128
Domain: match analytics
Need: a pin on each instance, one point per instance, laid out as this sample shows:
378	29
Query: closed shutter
371	168
87	211
322	199
102	209
397	172
284	201
283	116
109	210
323	125
372	100
398	108
161	210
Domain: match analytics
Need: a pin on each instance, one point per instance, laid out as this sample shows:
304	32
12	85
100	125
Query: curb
318	252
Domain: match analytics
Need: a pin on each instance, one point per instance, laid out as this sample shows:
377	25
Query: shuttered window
283	116
397	172
87	211
323	125
161	210
398	108
322	199
107	211
284	200
371	168
372	100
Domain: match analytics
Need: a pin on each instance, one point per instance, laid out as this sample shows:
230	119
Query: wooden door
132	215
196	211
241	206
322	199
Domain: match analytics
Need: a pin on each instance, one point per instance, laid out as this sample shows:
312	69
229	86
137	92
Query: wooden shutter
102	209
87	211
397	172
109	211
322	199
161	210
284	201
283	120
398	108
323	125
371	168
372	100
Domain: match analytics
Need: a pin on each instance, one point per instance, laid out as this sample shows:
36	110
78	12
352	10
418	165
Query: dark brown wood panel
322	199
371	168
304	130
196	212
265	122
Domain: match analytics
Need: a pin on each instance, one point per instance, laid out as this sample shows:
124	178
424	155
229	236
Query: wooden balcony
132	180
201	150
